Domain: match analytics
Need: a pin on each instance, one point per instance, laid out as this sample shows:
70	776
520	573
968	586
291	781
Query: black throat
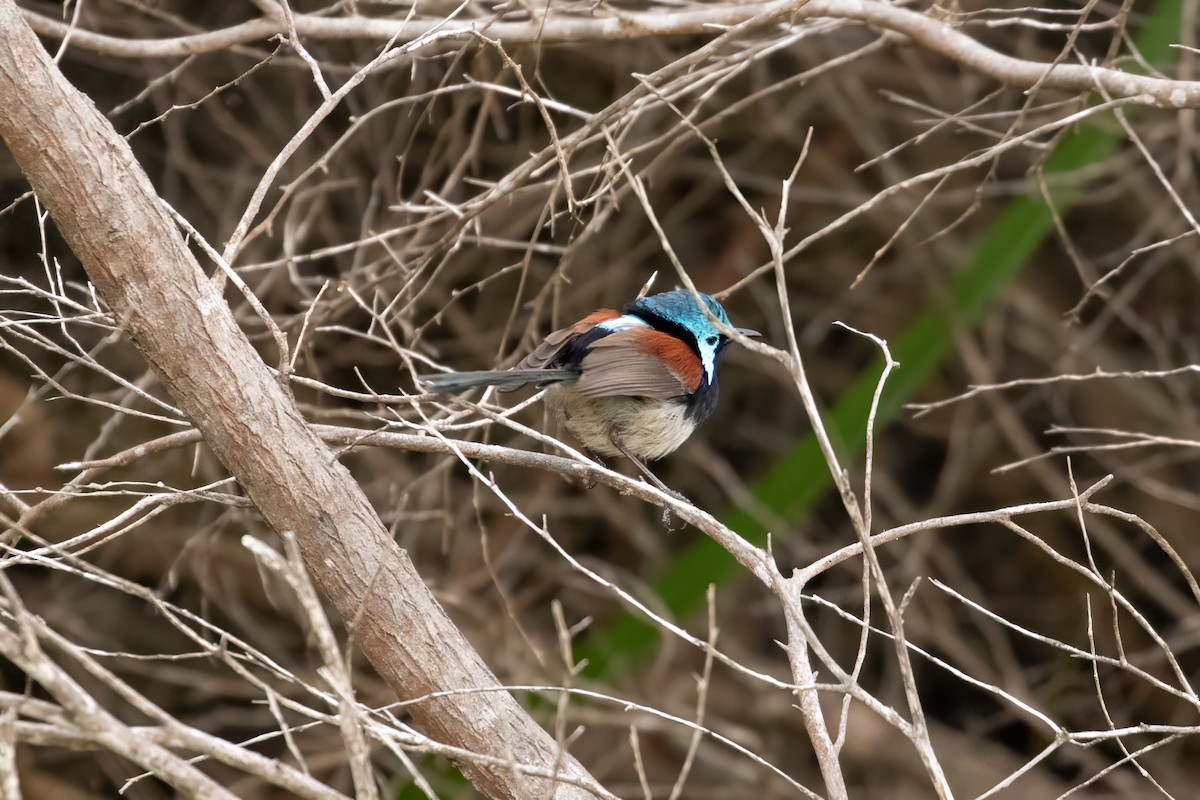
703	402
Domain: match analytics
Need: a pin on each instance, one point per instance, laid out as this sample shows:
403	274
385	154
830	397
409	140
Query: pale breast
650	429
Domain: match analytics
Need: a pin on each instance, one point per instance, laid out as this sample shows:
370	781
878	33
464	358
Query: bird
634	383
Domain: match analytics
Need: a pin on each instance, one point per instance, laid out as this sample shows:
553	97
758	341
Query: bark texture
109	213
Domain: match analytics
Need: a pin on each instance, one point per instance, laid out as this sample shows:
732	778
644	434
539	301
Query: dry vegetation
389	199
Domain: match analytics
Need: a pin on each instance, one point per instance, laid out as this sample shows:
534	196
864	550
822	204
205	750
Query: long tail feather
503	379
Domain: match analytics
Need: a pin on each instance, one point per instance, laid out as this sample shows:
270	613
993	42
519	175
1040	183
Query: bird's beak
753	334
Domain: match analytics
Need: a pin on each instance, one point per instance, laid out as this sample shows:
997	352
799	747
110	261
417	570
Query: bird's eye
712	340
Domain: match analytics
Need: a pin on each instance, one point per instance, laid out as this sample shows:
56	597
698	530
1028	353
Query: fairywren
634	383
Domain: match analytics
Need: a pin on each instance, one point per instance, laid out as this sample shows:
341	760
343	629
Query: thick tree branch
108	212
931	33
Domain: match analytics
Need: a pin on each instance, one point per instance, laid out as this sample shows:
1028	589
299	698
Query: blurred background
465	200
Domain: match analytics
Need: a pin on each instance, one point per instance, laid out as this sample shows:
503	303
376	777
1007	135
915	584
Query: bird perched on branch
634	383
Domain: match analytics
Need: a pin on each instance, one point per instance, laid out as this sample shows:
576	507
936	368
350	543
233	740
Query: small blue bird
634	383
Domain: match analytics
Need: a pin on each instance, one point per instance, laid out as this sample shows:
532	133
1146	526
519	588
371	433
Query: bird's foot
672	493
587	479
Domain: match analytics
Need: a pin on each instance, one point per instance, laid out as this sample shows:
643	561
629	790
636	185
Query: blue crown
680	306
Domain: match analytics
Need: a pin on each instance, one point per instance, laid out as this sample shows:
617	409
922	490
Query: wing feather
618	365
547	354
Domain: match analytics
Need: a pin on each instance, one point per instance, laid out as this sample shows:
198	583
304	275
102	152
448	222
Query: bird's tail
503	379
